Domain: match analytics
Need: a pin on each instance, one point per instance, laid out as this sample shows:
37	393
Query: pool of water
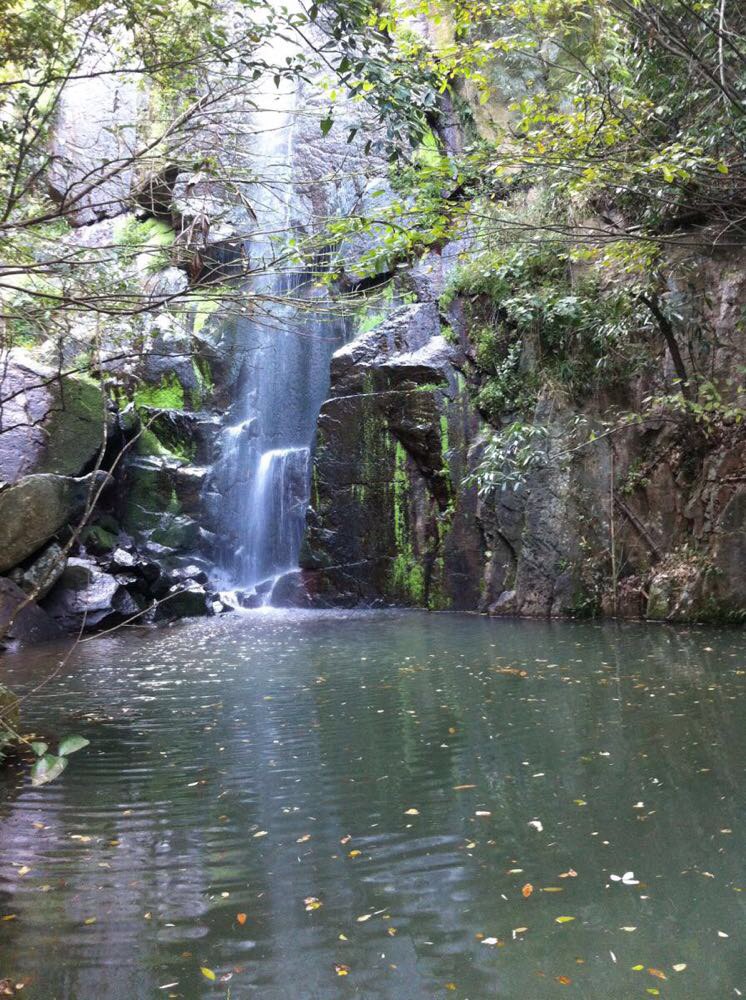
383	804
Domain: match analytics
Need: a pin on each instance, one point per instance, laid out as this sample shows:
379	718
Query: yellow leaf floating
89	921
679	967
412	812
341	969
312	903
354	854
364	917
563	920
207	973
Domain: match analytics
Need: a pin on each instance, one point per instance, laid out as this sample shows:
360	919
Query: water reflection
413	770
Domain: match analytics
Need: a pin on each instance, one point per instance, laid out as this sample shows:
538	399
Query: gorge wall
113	445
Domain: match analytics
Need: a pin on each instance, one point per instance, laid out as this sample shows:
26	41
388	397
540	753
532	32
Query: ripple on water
388	765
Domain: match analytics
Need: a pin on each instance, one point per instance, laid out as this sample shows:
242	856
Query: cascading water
262	478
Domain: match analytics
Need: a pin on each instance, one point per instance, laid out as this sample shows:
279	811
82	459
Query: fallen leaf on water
312	903
24	870
637	968
355	854
462	788
450	986
89	920
536	824
519	930
653	992
341	969
527	890
9	916
679	967
261	833
580	802
515	871
489	940
346	839
241	918
658	973
627	879
304	838
563	980
412	812
628	929
364	917
570	873
391	931
552	888
207	973
482	812
563	920
343	937
722	934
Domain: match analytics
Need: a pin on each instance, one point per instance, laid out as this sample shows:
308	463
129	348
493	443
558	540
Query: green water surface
427	779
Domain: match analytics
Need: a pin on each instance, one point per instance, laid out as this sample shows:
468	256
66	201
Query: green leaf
47	768
72	743
326	125
40	748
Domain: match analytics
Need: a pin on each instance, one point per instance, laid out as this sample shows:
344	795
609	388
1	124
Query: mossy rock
98	539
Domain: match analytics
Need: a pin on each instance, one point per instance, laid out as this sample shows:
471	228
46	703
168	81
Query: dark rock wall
648	522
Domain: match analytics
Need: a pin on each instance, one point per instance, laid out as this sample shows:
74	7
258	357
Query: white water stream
262	477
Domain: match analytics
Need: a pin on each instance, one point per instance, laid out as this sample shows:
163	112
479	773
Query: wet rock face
385	523
95	132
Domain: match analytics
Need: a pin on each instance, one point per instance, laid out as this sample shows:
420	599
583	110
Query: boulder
41	575
48	422
21	619
36	508
86	592
186	601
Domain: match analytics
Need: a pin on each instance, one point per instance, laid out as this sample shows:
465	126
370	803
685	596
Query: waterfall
262	478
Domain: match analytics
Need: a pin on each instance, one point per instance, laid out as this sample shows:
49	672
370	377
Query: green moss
205	382
148	236
444	436
408	579
169	395
148	444
98	538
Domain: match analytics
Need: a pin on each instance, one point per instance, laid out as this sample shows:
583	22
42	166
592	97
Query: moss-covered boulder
33	510
51	423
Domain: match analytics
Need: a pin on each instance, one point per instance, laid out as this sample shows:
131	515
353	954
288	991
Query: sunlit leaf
47	768
207	973
527	890
563	920
241	918
71	744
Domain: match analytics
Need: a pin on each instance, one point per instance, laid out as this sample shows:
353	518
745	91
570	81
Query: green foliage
50	766
509	457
